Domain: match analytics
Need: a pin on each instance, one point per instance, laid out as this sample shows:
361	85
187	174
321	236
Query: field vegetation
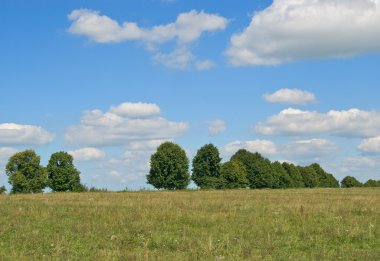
293	224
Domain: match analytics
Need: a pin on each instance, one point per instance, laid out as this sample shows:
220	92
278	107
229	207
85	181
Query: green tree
325	180
62	174
234	175
294	174
284	180
259	169
309	175
25	173
372	183
169	168
2	190
350	182
206	167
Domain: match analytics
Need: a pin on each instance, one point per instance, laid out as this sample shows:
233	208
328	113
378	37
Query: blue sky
109	80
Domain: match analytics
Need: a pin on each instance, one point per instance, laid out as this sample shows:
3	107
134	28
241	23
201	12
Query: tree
25	173
372	183
62	174
206	167
294	174
284	180
325	180
259	169
309	175
2	190
350	182
234	175
169	168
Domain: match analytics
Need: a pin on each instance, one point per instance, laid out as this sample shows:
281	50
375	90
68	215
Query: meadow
295	224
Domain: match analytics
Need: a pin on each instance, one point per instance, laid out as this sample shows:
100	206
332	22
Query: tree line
27	175
169	169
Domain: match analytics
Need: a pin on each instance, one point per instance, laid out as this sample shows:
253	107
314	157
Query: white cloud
146	145
180	58
99	128
114	174
299	149
136	110
187	29
346	123
216	127
204	65
291	30
264	147
88	154
291	97
362	167
371	145
24	135
360	163
6	153
311	149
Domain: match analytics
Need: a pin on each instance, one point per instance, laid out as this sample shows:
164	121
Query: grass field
321	224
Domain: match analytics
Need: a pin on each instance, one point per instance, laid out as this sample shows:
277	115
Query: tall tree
234	175
206	167
350	182
372	183
25	173
63	175
284	180
169	167
325	180
294	174
259	169
309	175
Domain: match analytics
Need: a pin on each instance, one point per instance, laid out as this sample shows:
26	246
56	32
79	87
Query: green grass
320	224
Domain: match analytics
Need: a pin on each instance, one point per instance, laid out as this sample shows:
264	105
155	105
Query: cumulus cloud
290	30
313	148
119	126
136	110
264	147
145	145
371	145
298	149
178	59
204	65
87	154
187	29
345	123
24	135
360	163
133	164
216	127
6	153
290	97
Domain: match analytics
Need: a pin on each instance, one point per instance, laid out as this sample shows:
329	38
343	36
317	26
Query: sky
108	81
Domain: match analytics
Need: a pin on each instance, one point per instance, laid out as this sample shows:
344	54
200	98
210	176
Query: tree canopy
25	173
169	167
63	175
259	170
234	175
372	183
206	167
325	180
350	182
